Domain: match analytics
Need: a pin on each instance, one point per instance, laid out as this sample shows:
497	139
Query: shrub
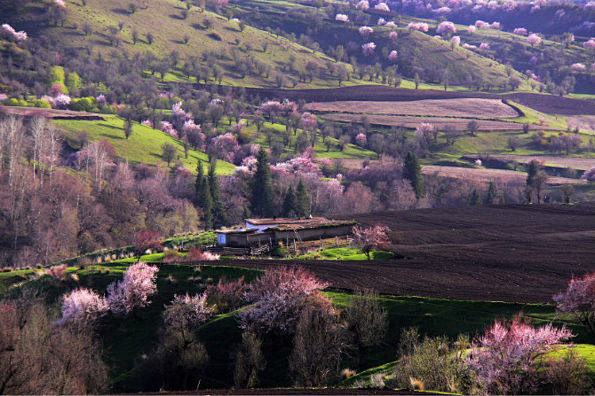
228	296
568	375
434	363
57	272
318	343
366	321
195	254
249	361
171	256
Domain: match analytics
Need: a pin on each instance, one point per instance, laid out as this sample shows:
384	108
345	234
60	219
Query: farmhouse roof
287	220
312	225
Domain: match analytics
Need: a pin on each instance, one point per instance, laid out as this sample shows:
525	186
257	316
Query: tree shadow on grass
120	11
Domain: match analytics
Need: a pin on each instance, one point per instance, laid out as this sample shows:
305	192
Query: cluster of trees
284	310
49	213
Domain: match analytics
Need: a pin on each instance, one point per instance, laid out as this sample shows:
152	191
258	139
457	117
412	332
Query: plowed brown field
508	253
463	107
549	104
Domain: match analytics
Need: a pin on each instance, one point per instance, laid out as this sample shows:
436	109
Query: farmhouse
271	231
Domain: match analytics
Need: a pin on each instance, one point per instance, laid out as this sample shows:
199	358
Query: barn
271	231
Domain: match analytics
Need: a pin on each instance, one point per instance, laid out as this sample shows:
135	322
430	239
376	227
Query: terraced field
549	104
461	107
459	124
580	163
486	175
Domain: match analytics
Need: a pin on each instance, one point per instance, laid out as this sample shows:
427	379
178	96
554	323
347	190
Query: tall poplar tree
207	205
413	173
199	184
219	215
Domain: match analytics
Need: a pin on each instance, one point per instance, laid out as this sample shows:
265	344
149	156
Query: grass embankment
345	253
126	340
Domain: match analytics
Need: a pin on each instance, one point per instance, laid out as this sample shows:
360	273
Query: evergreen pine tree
413	173
198	185
491	195
289	203
219	215
475	198
302	207
262	192
207	204
246	214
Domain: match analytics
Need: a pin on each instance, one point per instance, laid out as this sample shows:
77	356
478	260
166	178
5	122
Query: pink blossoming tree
533	39
382	7
278	296
187	312
133	290
369	238
341	18
579	67
83	306
446	28
363	5
506	358
365	31
361	139
579	300
13	34
368	48
419	26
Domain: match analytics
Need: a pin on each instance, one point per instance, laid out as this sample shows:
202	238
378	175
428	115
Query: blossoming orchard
301	197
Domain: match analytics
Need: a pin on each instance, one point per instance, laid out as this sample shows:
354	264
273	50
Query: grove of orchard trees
286	321
106	200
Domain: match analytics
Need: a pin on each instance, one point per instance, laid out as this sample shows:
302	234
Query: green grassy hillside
418	52
144	145
171	23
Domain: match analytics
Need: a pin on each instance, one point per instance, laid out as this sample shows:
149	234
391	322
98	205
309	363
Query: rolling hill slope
109	28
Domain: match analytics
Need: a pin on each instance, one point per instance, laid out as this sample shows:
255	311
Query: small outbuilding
271	231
